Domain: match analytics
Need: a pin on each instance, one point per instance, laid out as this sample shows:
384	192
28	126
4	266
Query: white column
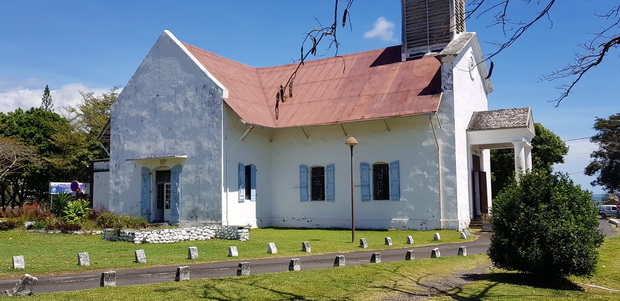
528	156
519	147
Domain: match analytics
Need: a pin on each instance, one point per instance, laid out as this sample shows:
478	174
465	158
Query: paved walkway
80	281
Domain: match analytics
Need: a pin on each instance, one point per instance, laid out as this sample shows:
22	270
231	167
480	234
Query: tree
546	226
605	162
14	156
46	100
92	113
594	51
34	128
547	149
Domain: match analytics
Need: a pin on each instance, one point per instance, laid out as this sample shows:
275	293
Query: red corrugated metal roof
360	86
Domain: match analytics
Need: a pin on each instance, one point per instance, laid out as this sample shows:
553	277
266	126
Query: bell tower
430	25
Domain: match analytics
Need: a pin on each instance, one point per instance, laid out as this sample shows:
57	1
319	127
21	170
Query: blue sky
74	45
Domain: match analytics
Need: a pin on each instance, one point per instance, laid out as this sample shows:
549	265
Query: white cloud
16	95
383	30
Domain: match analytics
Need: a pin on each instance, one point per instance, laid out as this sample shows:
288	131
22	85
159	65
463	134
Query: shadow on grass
452	286
252	290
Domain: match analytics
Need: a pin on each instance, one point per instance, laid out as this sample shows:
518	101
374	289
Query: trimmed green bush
112	220
546	226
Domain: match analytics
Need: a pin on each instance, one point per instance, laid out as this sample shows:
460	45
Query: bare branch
315	36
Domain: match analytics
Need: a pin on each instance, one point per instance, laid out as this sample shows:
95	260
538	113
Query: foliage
605	162
546	226
46	100
547	149
123	221
33	212
8	225
68	227
15	156
59	202
34	128
75	211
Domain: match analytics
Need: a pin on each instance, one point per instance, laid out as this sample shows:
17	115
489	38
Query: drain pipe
245	134
439	173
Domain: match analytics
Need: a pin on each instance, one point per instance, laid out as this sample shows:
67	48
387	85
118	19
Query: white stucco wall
464	93
169	107
247	145
409	140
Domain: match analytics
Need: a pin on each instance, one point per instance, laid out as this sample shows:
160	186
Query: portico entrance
497	129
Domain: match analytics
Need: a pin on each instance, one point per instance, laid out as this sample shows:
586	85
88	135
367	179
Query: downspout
439	173
245	134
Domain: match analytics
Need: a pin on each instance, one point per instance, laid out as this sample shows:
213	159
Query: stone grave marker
140	256
409	240
410	255
339	261
467	233
18	262
108	279
23	287
462	251
192	253
437	237
363	243
243	269
435	253
271	248
375	258
182	273
463	235
83	259
295	265
388	241
232	251
305	246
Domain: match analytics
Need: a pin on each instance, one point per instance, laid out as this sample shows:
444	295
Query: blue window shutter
303	183
175	194
241	178
365	181
394	181
253	182
330	187
145	201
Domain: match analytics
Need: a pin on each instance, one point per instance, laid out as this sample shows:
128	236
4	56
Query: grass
505	285
364	282
46	254
371	282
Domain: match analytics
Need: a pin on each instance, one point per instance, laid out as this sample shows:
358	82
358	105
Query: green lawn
503	285
369	282
57	253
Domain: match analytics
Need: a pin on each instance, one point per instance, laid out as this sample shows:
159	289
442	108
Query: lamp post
351	142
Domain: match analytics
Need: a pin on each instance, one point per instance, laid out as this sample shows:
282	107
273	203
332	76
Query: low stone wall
178	234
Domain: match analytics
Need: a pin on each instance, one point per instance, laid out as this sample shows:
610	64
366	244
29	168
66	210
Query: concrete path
80	281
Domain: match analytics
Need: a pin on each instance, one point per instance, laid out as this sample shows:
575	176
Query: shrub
7	225
75	210
108	220
59	202
112	220
38	225
68	228
546	226
32	212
